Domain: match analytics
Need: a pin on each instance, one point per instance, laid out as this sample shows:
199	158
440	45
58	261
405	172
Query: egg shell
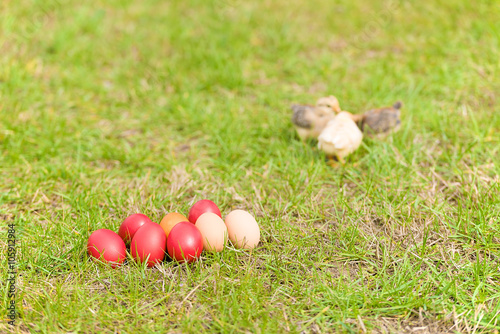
107	246
150	240
170	220
201	207
184	243
243	230
131	224
213	231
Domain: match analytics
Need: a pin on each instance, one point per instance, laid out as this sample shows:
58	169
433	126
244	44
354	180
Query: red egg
184	242
107	246
149	240
131	224
201	207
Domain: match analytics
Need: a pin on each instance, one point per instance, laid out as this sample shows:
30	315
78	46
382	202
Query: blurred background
172	71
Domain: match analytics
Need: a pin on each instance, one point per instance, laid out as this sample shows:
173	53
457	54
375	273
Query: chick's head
330	102
345	116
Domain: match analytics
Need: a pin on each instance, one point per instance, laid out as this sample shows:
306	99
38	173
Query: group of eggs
182	238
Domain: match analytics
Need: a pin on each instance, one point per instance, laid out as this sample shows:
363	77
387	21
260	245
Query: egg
131	224
170	220
149	244
200	207
213	231
184	243
243	230
107	246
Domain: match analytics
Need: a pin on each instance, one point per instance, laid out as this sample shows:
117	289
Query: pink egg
107	246
243	230
131	224
184	242
149	243
200	207
213	230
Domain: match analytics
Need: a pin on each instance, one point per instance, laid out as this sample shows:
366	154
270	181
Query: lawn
109	108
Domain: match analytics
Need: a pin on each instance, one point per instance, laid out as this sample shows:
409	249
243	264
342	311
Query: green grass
113	107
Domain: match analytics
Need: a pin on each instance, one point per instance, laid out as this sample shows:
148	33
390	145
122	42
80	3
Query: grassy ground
115	107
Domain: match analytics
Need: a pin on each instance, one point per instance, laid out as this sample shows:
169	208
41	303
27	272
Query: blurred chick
340	137
382	121
309	121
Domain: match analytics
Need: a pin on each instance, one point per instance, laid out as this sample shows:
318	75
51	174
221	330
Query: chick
309	121
382	121
340	137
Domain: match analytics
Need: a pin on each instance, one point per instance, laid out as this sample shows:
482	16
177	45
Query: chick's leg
332	161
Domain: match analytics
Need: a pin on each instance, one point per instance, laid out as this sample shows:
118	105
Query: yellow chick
309	121
340	137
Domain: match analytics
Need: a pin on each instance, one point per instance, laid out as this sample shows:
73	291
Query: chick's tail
299	116
397	105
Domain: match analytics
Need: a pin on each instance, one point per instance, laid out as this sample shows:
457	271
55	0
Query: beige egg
243	230
213	231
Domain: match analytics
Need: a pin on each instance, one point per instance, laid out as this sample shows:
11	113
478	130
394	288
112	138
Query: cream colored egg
243	230
213	231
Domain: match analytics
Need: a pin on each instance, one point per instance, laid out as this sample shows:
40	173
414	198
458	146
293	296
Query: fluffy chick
340	137
309	121
382	121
